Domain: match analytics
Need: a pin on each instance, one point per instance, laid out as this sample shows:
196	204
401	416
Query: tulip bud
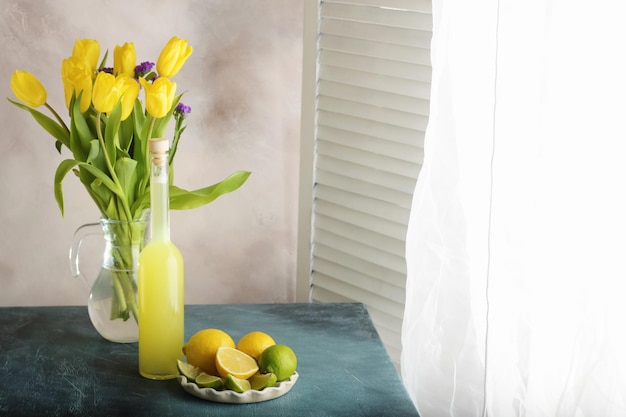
173	57
108	90
129	90
104	95
88	50
28	89
124	59
159	96
77	79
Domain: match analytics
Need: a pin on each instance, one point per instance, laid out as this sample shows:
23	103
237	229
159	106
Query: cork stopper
158	148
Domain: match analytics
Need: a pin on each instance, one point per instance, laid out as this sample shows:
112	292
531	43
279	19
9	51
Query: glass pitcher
112	304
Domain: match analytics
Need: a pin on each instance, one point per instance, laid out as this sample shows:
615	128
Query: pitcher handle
89	229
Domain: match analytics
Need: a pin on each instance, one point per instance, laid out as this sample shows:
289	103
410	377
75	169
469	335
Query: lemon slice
260	381
190	371
205	380
236	384
234	362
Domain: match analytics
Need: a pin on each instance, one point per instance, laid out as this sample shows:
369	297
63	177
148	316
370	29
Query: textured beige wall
243	84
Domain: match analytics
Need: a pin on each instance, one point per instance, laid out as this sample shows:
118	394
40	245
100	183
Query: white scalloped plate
232	397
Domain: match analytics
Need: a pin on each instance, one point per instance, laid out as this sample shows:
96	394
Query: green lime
260	381
236	384
205	380
190	371
280	360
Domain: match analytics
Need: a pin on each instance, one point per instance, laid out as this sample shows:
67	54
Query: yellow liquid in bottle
161	310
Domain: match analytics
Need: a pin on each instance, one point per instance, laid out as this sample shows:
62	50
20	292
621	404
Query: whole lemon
201	348
254	343
279	360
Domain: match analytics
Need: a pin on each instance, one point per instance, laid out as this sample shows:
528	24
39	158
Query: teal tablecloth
53	363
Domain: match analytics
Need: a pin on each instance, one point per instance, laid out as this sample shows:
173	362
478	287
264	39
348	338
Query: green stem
123	284
177	132
131	294
150	128
146	151
126	246
121	294
110	167
56	115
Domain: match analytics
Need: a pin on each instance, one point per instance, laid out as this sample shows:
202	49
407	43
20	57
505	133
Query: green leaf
123	154
110	132
140	144
140	204
75	146
142	121
96	157
85	177
82	127
64	167
103	198
125	168
181	199
94	150
138	116
104	60
106	181
126	135
91	118
50	125
80	135
111	210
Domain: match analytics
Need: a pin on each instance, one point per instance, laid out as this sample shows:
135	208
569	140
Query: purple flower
108	70
143	68
181	110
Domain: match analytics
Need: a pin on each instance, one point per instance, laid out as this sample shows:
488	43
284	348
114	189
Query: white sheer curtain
516	250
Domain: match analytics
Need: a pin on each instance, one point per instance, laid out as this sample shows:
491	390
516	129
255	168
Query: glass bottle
160	280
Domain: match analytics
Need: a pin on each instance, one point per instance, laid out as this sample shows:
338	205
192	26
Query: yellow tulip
159	96
124	59
77	78
89	50
104	95
108	90
28	89
173	57
129	90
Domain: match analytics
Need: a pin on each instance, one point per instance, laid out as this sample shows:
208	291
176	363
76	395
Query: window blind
371	110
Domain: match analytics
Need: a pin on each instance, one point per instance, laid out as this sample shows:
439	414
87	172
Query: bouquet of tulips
108	131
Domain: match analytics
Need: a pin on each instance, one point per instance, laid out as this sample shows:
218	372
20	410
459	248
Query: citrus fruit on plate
254	343
189	370
262	381
205	380
280	360
236	384
202	347
230	361
231	397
